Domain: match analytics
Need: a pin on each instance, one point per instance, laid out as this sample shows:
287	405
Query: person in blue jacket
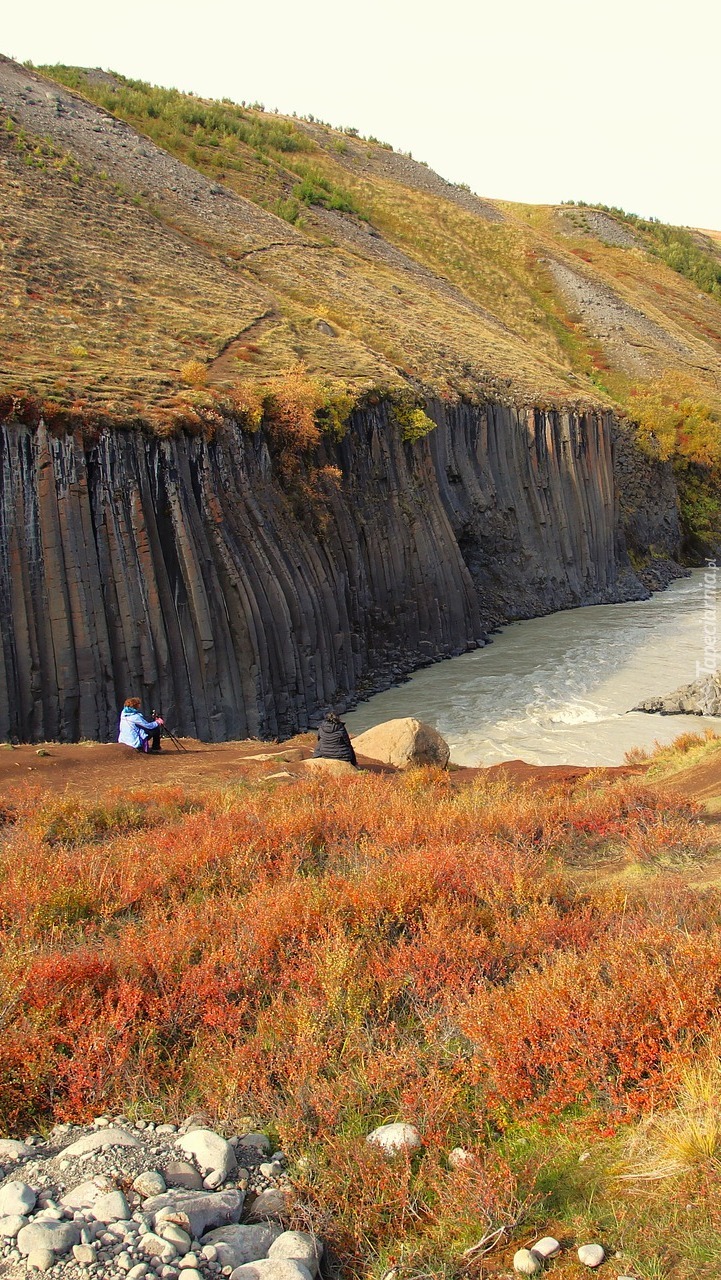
135	731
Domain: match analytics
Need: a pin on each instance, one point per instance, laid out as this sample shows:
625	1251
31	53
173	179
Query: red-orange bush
335	955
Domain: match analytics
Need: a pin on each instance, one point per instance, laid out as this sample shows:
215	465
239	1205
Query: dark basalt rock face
179	570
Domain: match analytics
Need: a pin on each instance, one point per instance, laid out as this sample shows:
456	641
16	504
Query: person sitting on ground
333	740
135	731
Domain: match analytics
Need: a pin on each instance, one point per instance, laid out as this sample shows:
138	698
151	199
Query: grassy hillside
168	257
529	973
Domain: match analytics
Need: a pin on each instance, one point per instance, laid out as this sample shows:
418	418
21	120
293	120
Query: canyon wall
181	571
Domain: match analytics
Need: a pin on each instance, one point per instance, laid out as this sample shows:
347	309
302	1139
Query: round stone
591	1255
41	1259
392	1138
176	1236
548	1247
298	1246
526	1263
17	1199
459	1158
10	1225
150	1183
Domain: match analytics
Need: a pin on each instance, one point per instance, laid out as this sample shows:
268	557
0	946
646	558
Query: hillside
284	415
303	243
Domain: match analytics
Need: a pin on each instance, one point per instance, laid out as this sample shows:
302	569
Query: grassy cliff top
162	250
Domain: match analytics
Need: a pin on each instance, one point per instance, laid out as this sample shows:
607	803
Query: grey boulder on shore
700	698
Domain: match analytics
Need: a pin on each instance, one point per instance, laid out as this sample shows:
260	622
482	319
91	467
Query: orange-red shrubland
329	956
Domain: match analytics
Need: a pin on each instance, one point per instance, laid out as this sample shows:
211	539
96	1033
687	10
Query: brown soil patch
90	768
93	768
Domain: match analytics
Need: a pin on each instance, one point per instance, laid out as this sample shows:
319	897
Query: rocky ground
124	1200
637	343
120	1199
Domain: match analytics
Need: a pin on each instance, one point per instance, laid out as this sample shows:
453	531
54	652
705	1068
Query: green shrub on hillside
162	109
313	188
676	246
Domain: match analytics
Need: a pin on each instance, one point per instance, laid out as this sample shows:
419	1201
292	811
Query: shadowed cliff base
241	599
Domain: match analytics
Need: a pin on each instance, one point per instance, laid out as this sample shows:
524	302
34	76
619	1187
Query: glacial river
559	690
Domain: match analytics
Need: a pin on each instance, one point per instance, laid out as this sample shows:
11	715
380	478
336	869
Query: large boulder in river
403	743
700	698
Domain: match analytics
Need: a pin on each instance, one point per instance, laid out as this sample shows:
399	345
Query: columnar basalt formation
179	569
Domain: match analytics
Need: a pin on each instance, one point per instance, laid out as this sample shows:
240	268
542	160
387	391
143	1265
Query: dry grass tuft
686	1138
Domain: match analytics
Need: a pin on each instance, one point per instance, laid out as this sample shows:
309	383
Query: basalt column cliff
179	570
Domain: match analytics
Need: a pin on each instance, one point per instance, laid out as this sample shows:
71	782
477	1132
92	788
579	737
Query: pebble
137	1272
180	1173
41	1259
192	1274
255	1141
548	1247
156	1246
299	1246
591	1255
526	1263
99	1140
269	1204
175	1235
58	1237
272	1269
459	1158
83	1253
10	1225
212	1152
11	1149
124	1261
112	1207
149	1183
17	1199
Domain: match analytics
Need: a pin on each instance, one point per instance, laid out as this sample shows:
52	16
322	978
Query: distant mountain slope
143	232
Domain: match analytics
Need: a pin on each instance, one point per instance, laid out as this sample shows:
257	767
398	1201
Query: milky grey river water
559	689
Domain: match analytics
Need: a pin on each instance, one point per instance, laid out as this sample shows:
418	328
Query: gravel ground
99	1190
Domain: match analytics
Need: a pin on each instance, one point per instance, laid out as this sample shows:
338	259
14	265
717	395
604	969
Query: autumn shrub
194	373
338	954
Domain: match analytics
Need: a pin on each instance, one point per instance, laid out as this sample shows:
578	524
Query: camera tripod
165	733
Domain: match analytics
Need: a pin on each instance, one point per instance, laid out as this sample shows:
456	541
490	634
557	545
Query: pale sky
616	102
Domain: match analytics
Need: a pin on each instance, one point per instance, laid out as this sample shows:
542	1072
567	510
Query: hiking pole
165	733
